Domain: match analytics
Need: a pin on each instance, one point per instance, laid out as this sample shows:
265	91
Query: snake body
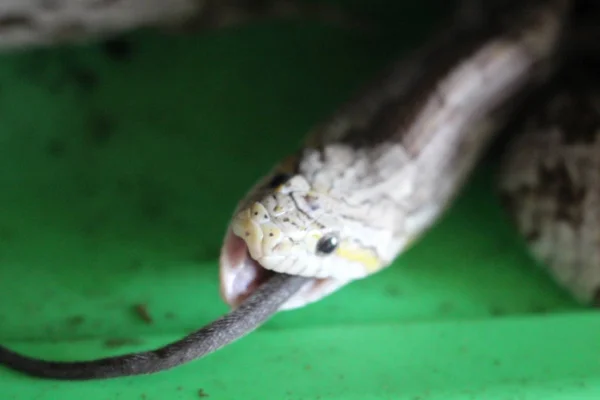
549	178
372	179
377	174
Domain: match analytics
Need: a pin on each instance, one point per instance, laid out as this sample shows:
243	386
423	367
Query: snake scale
375	176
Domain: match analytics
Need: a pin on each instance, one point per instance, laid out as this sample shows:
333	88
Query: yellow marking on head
363	256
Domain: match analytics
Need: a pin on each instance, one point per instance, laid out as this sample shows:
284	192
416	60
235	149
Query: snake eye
279	180
327	244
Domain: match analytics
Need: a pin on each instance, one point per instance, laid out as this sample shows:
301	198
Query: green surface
119	170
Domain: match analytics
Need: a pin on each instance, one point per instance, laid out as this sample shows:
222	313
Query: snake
371	179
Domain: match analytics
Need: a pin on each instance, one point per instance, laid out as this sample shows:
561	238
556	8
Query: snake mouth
240	275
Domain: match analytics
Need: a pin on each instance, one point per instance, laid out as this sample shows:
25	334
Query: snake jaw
240	275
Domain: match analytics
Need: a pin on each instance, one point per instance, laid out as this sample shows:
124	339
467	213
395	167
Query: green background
120	164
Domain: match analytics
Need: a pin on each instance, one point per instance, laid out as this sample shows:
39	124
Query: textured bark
26	23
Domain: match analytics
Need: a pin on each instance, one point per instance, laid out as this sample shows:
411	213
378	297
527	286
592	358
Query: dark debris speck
142	311
393	291
170	315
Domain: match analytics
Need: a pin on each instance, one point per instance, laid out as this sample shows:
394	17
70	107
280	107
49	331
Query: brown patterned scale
550	179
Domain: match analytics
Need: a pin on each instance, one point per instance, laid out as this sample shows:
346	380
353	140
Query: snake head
286	225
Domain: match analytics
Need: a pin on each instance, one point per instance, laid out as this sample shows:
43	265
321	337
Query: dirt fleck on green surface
393	291
142	312
202	393
170	315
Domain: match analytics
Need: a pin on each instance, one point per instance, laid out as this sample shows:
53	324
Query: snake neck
395	156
